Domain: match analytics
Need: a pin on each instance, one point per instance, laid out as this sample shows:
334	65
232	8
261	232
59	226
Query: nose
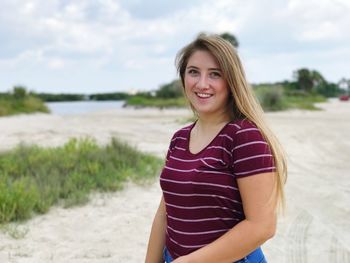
202	82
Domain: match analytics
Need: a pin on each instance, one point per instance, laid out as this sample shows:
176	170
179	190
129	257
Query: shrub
32	179
271	98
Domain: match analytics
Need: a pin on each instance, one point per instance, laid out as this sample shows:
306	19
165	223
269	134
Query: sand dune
115	227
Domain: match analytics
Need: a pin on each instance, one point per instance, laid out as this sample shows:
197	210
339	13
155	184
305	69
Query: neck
210	121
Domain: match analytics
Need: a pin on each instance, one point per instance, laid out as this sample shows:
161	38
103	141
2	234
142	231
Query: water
78	107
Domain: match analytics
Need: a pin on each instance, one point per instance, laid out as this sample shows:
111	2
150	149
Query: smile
203	95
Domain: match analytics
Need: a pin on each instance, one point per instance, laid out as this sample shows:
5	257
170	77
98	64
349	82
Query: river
77	107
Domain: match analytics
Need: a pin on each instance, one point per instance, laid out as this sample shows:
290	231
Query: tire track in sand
338	253
297	237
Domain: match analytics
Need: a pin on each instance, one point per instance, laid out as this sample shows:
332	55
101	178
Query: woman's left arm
259	206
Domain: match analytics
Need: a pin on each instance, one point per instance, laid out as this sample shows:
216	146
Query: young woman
224	174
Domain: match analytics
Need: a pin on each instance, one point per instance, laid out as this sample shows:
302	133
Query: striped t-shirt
200	190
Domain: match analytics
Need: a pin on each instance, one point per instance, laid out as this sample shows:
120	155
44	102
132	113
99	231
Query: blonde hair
245	104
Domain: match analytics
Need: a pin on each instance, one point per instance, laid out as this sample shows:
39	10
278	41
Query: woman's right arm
156	241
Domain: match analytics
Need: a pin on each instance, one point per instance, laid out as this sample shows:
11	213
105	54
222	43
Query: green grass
140	101
32	178
275	98
304	102
28	104
271	98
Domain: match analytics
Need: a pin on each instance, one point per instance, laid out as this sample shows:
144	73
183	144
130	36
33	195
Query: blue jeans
256	256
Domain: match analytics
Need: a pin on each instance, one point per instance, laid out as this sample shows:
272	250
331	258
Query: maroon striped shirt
200	190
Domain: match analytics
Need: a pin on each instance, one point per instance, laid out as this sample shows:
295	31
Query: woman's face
205	86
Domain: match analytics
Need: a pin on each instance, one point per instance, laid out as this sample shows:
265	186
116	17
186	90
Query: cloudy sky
90	46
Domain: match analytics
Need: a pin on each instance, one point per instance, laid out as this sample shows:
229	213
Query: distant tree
170	90
109	96
317	78
328	89
59	97
304	79
19	92
230	38
307	80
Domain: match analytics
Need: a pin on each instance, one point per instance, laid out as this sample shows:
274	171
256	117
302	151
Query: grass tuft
33	178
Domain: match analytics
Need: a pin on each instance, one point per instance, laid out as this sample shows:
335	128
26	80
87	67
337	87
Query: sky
96	46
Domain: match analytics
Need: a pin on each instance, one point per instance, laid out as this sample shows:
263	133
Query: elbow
269	230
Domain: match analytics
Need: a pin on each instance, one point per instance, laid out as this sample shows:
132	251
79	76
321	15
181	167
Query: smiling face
205	86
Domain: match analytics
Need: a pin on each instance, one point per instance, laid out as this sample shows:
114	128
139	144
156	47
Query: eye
215	74
192	72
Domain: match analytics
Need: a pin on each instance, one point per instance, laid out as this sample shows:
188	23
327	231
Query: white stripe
198	246
248	129
197	171
203	207
256	170
220	147
207	195
249	143
195	160
213	172
227	136
252	157
185	129
181	138
185	160
197	183
178	170
179	148
198	233
236	125
204	219
215	159
208	164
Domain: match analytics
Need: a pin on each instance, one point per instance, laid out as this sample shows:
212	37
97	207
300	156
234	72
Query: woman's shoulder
182	133
237	126
184	130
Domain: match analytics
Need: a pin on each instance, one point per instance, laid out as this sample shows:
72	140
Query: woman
224	174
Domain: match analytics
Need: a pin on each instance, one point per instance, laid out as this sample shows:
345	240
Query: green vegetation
32	179
140	101
19	101
230	38
274	97
109	96
80	97
60	97
271	98
308	87
168	95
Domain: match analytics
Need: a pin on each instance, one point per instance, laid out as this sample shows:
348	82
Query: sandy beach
115	227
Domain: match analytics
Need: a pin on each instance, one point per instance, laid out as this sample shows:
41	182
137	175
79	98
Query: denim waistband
257	256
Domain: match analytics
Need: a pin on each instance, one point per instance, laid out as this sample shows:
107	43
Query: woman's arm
157	237
260	224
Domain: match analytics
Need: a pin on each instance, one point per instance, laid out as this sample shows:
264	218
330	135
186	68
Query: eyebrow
194	67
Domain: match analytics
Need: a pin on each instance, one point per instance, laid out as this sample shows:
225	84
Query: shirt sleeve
251	153
171	146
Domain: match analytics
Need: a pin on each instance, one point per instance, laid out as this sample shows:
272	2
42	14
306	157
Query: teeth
203	95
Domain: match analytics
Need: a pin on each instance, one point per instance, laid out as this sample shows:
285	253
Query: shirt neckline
188	135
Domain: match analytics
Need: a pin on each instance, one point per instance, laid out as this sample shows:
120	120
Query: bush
271	98
32	179
20	102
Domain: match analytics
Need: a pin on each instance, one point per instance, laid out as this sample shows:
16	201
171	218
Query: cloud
117	39
320	20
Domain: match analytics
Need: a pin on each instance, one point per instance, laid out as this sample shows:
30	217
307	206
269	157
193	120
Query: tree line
305	82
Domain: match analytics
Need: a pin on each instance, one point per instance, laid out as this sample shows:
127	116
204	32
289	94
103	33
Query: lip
203	95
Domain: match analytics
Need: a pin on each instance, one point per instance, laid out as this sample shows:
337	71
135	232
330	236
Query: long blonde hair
245	104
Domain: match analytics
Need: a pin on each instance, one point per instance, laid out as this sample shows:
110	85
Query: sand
115	227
